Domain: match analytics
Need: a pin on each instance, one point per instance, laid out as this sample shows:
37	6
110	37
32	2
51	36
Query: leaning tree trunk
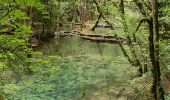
136	61
157	89
101	15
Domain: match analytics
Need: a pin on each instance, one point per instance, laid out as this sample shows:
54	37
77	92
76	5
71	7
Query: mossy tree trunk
135	61
157	89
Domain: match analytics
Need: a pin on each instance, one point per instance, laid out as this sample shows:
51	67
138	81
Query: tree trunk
101	15
136	61
82	12
121	6
58	18
98	19
157	89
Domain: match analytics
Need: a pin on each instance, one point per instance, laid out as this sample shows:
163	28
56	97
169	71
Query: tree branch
137	28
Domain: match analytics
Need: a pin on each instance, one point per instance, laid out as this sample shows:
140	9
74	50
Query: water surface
89	71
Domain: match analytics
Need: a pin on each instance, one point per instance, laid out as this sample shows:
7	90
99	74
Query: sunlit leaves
2	64
15	28
34	3
166	15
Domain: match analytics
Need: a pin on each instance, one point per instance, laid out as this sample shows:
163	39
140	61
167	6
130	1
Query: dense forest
84	50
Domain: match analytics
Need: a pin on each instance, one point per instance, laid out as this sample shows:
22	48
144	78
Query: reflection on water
72	46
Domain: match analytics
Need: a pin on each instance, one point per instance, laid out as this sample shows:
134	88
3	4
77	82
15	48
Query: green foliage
14	33
167	97
166	14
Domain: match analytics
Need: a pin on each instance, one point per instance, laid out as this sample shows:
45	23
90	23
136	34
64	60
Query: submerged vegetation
84	50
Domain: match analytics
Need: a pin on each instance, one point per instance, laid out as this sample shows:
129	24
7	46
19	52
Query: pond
90	71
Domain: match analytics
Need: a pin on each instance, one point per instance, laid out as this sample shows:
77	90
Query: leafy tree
15	29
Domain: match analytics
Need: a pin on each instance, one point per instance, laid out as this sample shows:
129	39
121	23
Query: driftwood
96	38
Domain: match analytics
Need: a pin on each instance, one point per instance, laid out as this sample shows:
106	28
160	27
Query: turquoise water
79	70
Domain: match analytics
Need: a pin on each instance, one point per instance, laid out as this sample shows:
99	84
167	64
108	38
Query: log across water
95	37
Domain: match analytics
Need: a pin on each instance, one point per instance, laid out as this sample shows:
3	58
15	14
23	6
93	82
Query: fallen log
95	37
101	39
